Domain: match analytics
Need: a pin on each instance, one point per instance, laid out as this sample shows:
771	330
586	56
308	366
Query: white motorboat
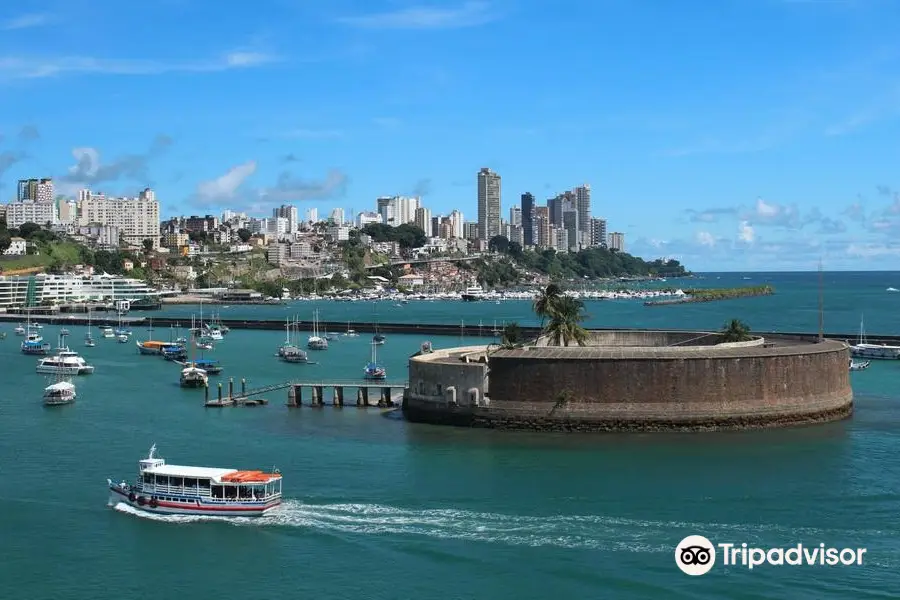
863	349
858	366
64	362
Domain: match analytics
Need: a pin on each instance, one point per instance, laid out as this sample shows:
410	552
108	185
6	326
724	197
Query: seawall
485	331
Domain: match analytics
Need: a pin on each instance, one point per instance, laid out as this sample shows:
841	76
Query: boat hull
470	298
876	352
193	507
85	370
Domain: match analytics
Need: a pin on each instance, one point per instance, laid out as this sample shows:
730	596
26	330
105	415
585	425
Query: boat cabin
225	485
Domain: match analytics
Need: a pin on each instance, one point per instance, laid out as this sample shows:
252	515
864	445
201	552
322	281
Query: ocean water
378	508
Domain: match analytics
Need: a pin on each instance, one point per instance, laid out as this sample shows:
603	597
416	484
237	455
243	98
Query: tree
26	230
736	330
244	234
499	243
565	322
543	304
5	240
148	245
511	336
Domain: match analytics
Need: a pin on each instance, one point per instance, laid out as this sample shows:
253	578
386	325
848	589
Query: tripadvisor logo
696	555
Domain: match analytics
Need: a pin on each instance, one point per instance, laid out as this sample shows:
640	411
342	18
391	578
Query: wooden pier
368	393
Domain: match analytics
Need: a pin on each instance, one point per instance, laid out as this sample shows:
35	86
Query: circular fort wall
625	386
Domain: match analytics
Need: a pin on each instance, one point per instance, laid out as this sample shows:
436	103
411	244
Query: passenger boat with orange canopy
183	490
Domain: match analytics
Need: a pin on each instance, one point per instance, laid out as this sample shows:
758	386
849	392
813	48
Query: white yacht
316	341
64	362
473	293
863	349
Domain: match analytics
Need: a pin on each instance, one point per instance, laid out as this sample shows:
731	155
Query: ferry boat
61	392
34	344
186	490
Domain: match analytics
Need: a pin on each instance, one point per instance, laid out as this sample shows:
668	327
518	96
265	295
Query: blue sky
731	134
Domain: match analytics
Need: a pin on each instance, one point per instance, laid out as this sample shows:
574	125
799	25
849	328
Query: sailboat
863	349
289	352
62	391
350	332
378	338
373	370
315	341
88	338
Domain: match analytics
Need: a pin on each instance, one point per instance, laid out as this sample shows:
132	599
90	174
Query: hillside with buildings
400	237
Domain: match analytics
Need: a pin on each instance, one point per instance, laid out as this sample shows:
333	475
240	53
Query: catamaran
64	362
185	490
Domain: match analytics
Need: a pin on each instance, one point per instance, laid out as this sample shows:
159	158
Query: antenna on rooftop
821	305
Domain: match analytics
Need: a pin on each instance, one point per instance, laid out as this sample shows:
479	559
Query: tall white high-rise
337	216
488	204
457	222
312	215
515	215
288	212
137	218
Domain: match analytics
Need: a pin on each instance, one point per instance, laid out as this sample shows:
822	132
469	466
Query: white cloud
226	186
25	22
871	250
745	232
705	238
469	14
21	67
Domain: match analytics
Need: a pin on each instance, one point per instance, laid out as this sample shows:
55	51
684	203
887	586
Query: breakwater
695	295
405	328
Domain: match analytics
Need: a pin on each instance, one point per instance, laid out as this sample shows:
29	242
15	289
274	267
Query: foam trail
562	531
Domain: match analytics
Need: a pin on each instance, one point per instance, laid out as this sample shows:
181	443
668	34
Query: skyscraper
515	216
35	190
423	220
528	219
598	232
583	204
617	241
488	204
290	213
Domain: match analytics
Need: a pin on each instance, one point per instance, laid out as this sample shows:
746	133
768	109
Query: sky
739	135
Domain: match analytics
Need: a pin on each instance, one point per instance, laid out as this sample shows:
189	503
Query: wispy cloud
25	22
312	134
886	106
20	67
469	14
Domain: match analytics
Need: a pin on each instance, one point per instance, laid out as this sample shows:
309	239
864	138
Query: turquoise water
794	307
380	508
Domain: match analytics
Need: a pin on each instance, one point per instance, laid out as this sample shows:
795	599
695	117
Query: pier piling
320	398
220	393
359	398
206	393
338	396
231	387
243	386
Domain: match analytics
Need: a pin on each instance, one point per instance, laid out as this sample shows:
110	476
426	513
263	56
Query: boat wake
562	531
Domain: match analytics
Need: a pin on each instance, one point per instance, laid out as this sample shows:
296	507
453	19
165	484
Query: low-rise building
17	247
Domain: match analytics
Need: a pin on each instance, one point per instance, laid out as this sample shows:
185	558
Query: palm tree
511	336
545	300
565	318
736	331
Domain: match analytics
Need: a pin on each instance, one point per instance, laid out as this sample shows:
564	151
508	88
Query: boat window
190	482
217	491
204	484
148	479
230	491
162	480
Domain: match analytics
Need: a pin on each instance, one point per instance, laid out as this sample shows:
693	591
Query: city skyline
765	150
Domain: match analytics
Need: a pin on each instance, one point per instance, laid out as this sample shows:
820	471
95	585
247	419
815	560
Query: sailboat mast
821	305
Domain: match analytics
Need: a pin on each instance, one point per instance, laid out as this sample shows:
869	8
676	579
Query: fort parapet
634	380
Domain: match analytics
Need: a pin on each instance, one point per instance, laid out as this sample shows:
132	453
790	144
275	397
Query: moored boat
61	392
187	490
34	344
373	370
64	362
863	349
858	366
193	377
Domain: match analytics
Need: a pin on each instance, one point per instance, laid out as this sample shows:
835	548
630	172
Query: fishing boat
858	366
61	392
315	341
174	352
863	349
64	362
188	490
373	370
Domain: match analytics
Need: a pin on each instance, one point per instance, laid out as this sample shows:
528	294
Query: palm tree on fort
565	322
511	336
543	303
736	330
